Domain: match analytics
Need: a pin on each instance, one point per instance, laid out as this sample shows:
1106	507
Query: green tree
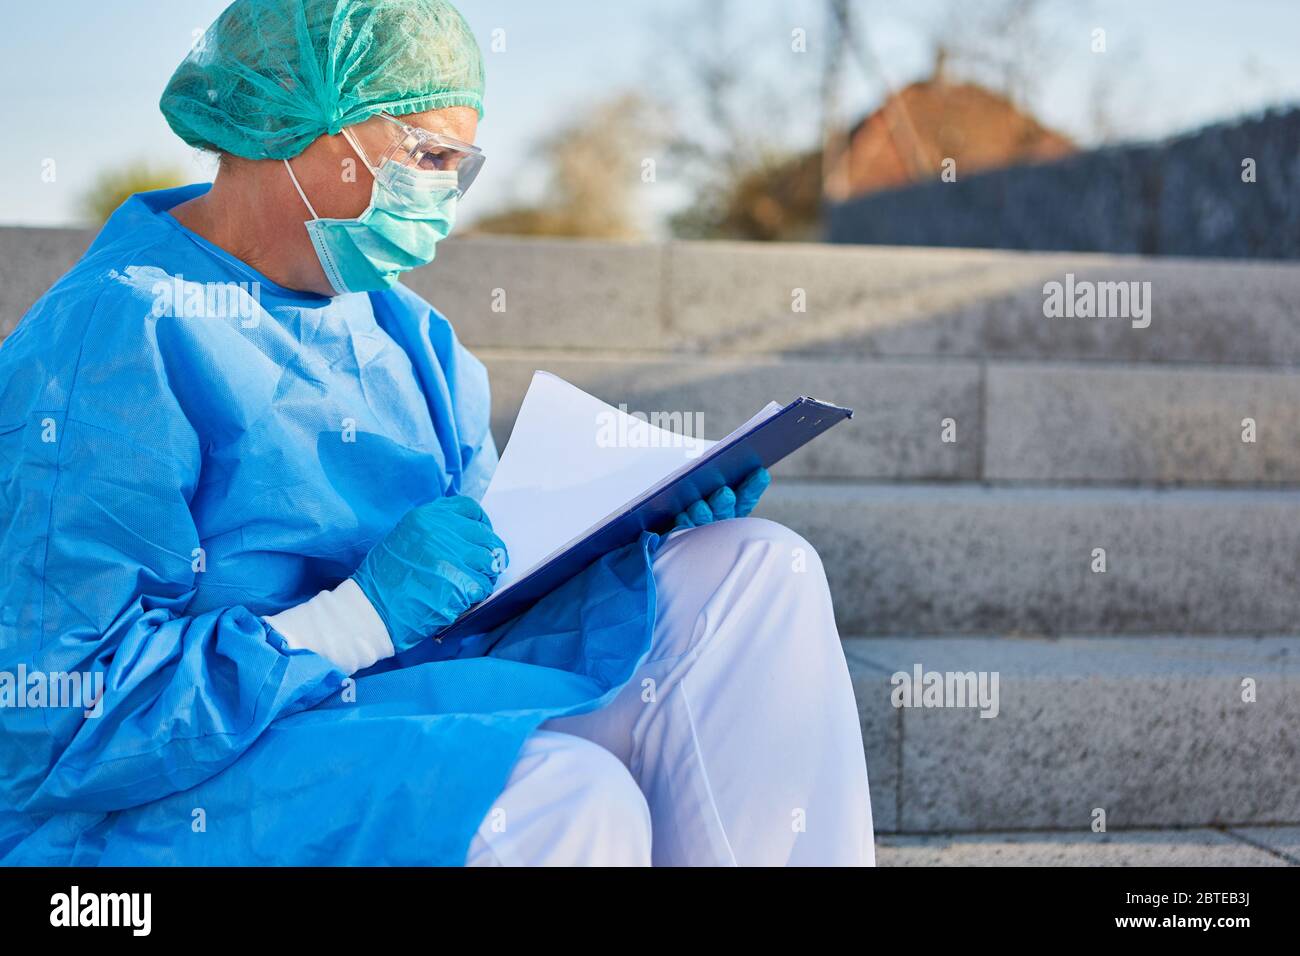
115	186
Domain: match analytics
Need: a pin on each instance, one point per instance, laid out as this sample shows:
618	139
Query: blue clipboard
724	464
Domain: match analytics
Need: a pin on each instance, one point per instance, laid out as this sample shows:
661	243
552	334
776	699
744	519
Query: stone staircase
1120	691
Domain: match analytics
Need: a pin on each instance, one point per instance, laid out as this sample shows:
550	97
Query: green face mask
411	210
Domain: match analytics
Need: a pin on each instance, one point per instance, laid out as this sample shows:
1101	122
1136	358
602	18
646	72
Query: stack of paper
573	462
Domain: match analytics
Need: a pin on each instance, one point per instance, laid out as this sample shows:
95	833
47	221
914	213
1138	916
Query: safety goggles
422	149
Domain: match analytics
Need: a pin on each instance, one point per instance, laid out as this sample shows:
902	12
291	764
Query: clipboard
726	463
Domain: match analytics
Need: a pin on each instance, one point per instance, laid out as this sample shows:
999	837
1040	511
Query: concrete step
968	559
720	297
900	301
31	259
899	406
1154	731
1249	846
724	297
1011	421
1052	422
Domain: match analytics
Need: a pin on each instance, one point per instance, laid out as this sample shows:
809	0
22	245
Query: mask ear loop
296	185
294	180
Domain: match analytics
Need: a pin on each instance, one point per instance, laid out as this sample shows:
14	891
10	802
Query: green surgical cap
270	76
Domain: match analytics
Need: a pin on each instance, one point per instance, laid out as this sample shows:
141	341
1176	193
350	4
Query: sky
81	78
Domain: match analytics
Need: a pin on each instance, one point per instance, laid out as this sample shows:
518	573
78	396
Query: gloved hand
726	502
440	559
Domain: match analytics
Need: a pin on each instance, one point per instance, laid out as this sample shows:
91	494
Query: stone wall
1183	197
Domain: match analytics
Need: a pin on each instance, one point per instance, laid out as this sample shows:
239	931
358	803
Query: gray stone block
882	727
1152	730
1079	423
905	559
898	406
868	300
31	259
1131	848
558	293
1283	842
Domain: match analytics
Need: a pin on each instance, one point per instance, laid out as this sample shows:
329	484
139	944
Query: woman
239	467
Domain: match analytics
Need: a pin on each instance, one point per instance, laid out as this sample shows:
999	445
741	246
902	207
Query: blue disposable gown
167	477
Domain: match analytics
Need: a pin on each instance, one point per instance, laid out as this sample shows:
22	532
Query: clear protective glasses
422	149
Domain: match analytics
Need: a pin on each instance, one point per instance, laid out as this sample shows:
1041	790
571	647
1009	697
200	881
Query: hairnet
270	76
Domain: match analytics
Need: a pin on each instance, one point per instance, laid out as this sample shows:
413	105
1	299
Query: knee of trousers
794	546
739	565
607	797
596	799
788	549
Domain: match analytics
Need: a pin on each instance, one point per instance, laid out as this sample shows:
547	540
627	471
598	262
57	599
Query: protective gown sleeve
479	463
472	408
98	480
453	380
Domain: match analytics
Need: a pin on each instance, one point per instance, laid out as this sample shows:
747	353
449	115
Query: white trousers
735	743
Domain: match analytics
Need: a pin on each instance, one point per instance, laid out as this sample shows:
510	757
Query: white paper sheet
571	462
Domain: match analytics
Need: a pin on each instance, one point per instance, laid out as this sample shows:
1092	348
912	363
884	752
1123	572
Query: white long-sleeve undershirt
340	625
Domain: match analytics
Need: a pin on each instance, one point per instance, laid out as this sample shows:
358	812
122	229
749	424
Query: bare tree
835	183
593	175
1003	44
738	89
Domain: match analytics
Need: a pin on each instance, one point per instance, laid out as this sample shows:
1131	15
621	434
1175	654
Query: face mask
410	212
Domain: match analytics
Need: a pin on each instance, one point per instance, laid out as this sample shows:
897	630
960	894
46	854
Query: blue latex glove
440	559
726	502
